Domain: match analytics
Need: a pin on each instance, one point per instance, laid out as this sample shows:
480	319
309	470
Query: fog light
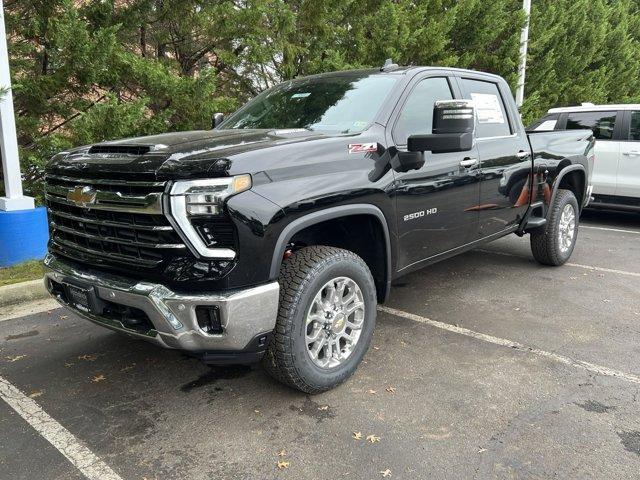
209	319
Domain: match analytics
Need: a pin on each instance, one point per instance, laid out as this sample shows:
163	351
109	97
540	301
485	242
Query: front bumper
164	317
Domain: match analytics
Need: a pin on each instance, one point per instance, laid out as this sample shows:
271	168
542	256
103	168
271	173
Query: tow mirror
218	118
453	128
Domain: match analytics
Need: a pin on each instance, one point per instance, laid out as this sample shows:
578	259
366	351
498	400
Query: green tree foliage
86	71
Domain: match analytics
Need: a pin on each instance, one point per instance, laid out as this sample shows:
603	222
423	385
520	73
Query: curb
22	292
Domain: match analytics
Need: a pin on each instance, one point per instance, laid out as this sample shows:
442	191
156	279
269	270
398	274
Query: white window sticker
488	108
301	95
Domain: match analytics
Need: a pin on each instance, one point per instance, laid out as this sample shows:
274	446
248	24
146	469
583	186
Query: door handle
632	153
469	162
522	154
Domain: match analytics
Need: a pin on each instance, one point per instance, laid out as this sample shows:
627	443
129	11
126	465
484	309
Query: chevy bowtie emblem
82	196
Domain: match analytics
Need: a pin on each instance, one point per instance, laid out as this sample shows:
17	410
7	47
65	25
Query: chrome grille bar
150	204
118	221
107	223
107	256
120	241
100	181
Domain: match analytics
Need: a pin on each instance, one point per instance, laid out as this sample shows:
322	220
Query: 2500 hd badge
273	236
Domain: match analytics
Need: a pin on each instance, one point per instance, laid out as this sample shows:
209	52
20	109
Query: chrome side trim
244	313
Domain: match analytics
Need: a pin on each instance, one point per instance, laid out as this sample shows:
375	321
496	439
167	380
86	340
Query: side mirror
218	118
453	129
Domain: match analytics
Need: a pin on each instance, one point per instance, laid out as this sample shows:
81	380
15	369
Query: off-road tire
301	277
545	244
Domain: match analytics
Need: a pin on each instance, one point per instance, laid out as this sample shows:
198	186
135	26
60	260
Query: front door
505	157
435	204
628	175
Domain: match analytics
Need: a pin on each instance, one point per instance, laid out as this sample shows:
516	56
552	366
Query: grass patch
21	273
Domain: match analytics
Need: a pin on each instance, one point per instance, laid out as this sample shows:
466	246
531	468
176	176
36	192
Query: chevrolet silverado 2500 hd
273	236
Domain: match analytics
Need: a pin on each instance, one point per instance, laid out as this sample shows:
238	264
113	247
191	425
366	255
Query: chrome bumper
247	316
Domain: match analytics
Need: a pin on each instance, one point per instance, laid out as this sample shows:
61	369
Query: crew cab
274	236
616	128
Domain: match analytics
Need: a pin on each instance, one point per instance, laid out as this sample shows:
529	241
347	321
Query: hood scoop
134	150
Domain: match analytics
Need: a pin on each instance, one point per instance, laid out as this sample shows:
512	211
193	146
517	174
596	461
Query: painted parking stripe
591	367
619	230
575	265
80	456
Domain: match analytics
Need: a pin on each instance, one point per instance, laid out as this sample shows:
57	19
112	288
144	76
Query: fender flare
330	214
560	176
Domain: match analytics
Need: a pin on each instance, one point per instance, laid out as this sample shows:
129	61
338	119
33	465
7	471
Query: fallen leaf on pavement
15	358
88	358
64	317
282	453
35	394
324	407
98	378
282	464
373	438
372	392
357	435
386	473
391	389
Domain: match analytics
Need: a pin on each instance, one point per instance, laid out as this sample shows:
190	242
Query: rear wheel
554	244
325	321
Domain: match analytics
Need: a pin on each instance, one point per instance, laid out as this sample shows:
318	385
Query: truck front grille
103	222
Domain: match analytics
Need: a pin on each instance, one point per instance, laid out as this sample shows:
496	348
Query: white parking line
591	367
80	456
619	230
576	265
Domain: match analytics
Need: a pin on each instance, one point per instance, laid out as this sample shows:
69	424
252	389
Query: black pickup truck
274	235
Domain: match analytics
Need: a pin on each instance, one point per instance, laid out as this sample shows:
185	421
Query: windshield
335	104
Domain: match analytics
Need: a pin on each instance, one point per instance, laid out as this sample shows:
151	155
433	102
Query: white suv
616	171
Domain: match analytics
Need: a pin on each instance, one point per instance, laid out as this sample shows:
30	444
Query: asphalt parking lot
484	366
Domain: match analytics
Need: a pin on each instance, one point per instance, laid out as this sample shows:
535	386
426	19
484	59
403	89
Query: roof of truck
590	107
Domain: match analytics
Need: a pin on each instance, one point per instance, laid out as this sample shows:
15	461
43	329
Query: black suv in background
274	235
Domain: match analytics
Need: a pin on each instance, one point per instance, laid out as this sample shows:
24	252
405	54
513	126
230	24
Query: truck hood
185	154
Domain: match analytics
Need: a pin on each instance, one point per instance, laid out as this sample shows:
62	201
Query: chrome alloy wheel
567	228
334	322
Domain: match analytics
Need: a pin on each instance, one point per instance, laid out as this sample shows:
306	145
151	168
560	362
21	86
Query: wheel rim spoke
334	322
567	228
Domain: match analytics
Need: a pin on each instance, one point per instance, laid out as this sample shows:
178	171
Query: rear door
505	155
605	126
435	204
628	175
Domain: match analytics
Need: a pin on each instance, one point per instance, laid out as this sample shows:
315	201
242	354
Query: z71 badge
363	148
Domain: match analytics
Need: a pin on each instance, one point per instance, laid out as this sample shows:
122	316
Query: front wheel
554	244
325	320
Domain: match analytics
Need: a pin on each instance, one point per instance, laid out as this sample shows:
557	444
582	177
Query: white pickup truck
616	170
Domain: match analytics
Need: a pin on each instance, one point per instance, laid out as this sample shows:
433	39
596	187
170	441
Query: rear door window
491	113
602	124
634	126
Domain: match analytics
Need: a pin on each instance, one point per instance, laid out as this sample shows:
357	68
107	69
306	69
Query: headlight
197	198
